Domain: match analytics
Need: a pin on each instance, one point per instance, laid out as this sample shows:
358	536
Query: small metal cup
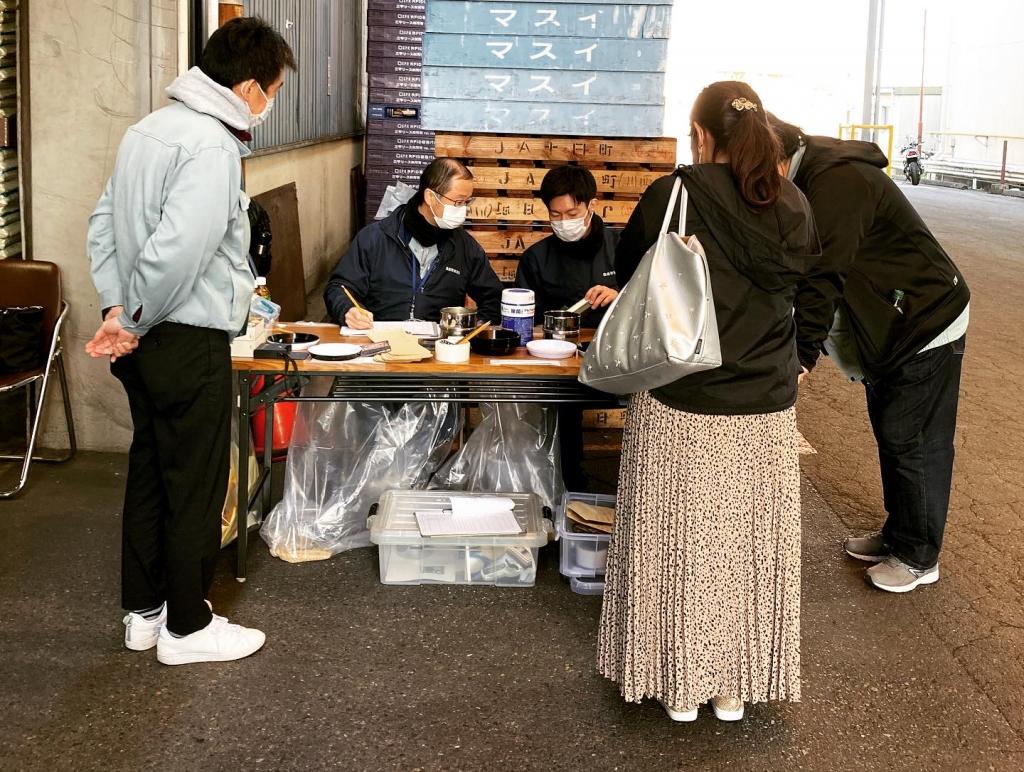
561	325
457	320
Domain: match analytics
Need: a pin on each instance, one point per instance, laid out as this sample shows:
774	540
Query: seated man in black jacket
897	320
576	262
418	259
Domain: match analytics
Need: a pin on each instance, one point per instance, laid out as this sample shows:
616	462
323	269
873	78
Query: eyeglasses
464	202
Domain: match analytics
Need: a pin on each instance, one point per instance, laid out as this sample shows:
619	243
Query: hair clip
742	103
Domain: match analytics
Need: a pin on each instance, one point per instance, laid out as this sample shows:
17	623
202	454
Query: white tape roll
451	353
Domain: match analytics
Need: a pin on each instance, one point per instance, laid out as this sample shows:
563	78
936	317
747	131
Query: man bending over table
418	259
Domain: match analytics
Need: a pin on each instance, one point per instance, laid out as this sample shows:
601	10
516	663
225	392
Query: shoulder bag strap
683	202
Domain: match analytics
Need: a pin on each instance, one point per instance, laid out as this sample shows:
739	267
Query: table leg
268	458
242	521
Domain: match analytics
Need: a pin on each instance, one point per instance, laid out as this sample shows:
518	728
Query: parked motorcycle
912	166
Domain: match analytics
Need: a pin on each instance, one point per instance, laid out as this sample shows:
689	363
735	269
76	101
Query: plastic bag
515	449
394	197
343	456
229	514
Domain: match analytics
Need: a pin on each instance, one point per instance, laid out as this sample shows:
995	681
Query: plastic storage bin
584	555
407	557
585	586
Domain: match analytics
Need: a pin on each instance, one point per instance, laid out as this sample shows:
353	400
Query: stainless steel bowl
457	320
561	325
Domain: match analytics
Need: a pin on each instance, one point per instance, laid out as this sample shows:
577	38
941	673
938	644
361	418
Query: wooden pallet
507	217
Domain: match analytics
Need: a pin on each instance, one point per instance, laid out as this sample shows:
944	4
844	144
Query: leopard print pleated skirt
702	592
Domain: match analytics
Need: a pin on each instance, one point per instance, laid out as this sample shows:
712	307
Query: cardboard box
395	96
397	158
407	35
381	18
393	112
403	128
382	65
391	80
399	143
414	6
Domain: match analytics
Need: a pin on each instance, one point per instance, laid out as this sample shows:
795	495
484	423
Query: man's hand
600	296
111	339
358	319
804	372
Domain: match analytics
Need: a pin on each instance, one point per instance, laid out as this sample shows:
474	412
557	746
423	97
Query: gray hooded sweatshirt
169	239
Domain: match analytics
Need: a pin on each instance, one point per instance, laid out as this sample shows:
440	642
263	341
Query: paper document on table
449	524
416	329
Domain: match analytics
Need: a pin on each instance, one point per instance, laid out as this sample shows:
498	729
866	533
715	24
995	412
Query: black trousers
913	414
570	429
179	390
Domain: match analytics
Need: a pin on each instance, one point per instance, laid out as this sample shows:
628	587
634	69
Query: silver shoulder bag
662	326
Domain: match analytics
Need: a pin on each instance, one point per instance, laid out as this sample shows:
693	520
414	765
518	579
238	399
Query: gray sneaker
893	575
871	547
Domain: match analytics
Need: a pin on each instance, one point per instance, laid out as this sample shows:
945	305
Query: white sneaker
219	641
727	708
140	634
682	716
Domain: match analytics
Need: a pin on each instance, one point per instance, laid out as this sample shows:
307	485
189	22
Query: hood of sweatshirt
197	90
770	247
823	153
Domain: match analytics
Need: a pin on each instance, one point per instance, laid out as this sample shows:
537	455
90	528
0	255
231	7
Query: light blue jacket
169	239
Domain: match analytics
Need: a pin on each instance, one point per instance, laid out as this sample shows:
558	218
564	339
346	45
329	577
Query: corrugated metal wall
318	101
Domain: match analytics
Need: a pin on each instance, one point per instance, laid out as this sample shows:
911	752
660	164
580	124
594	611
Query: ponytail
732	112
754	155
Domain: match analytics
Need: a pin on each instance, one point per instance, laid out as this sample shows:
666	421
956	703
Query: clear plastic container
407	557
584	586
583	554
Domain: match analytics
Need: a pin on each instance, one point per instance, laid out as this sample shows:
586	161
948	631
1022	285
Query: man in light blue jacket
168	244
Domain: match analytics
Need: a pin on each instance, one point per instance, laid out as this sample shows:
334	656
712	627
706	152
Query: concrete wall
321	173
97	67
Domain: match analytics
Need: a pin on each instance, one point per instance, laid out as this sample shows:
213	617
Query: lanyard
417	286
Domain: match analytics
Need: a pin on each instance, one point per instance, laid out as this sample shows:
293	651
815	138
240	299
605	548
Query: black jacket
560	273
381	270
756	259
874	244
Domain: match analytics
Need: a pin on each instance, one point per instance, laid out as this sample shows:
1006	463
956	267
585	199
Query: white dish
551	349
335	352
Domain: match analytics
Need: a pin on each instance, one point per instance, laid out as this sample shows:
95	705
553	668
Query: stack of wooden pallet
507	216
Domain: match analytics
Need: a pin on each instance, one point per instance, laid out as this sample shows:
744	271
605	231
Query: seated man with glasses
418	259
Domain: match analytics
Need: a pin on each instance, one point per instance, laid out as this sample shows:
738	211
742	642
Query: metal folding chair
36	283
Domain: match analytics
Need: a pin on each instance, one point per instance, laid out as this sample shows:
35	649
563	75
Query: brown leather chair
36	283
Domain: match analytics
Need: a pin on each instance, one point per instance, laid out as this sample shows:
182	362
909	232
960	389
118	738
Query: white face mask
452	216
255	119
570	230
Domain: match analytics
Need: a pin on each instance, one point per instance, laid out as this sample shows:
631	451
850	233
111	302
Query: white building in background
974	80
806	60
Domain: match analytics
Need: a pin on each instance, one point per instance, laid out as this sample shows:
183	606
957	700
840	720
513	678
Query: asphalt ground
357	675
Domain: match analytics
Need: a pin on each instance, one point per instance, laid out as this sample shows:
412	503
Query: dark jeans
913	414
179	390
